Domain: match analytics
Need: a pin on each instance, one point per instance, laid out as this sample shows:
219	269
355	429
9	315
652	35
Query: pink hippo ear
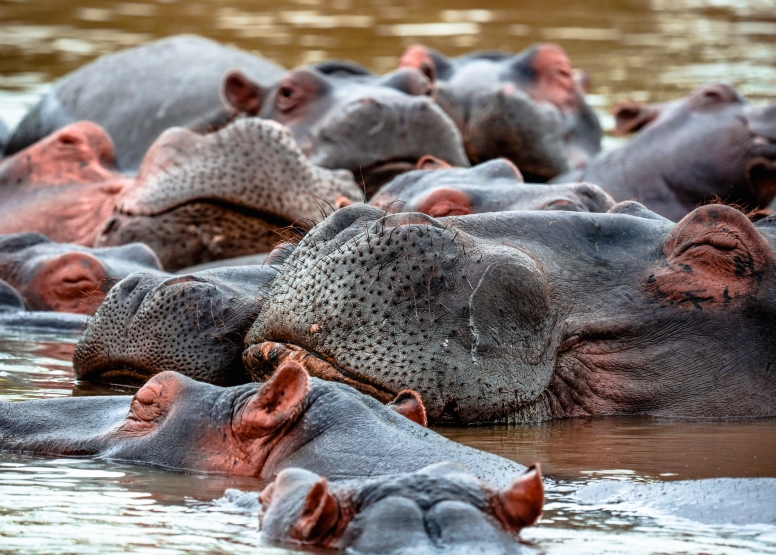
275	403
319	515
409	404
631	116
418	56
714	256
520	504
429	162
242	93
446	202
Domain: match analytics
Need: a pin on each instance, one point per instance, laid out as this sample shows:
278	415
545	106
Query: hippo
138	93
195	199
59	277
529	316
526	107
439	509
254	430
493	186
342	116
711	144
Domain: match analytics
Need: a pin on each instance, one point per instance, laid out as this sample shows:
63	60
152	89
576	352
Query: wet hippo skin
137	93
526	107
249	430
493	186
438	509
525	316
711	144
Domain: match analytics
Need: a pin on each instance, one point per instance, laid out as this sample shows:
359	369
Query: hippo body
526	316
709	145
68	278
439	509
493	186
137	93
248	430
526	107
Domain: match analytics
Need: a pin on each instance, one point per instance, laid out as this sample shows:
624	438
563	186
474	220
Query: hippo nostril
68	139
369	102
110	226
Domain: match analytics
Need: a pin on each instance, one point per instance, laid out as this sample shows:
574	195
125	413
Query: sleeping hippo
711	144
526	107
526	316
439	509
194	200
138	93
249	430
342	116
59	277
493	186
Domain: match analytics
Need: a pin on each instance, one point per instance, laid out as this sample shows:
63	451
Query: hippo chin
525	316
344	117
710	145
493	186
248	430
526	107
438	509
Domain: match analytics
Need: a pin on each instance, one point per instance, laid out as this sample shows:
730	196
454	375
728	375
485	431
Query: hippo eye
288	97
286	92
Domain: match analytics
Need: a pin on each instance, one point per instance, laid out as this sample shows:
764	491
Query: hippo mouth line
120	375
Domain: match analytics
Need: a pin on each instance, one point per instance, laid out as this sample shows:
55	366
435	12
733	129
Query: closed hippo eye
151	404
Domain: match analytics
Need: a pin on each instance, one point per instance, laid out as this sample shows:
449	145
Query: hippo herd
301	270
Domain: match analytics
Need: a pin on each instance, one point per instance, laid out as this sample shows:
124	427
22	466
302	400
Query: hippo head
67	278
523	316
344	117
237	191
526	107
63	186
492	186
193	324
711	143
439	509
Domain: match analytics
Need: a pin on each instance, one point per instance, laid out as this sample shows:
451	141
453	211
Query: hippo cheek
73	282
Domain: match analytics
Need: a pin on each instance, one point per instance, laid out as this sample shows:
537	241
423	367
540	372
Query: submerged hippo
195	199
344	117
438	509
712	144
249	430
493	186
137	93
59	277
526	107
526	316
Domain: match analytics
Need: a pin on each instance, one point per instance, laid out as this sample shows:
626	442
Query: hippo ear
631	116
319	515
275	403
242	93
761	177
715	255
520	504
409	404
419	57
429	162
446	202
71	282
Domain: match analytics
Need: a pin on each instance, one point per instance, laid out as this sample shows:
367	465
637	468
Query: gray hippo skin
249	430
344	117
525	316
136	94
526	107
439	509
193	324
712	144
4	136
493	186
68	278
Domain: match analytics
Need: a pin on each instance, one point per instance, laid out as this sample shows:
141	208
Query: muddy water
50	505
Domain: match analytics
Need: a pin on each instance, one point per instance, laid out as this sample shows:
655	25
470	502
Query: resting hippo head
247	430
711	144
524	316
68	278
344	117
526	107
438	509
63	186
237	191
493	186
